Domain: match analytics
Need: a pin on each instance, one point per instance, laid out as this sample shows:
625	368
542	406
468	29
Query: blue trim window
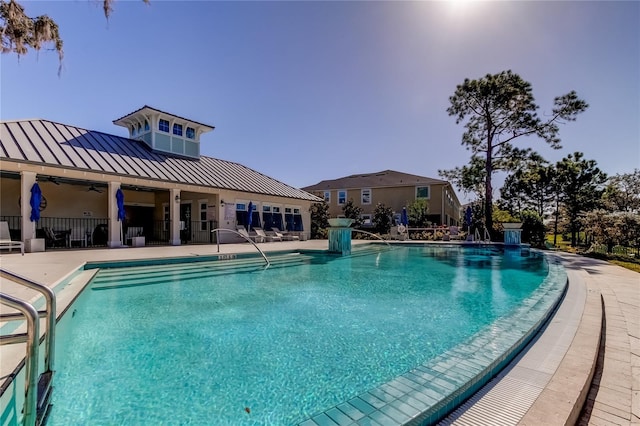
191	133
177	129
342	197
327	197
163	125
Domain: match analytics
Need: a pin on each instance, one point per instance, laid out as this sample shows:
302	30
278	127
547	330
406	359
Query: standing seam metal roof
54	144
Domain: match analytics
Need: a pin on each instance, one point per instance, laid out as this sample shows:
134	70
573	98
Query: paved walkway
612	399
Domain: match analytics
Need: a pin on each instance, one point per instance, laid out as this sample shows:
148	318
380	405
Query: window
365	196
146	126
366	219
327	196
191	133
203	215
342	197
177	129
163	125
422	192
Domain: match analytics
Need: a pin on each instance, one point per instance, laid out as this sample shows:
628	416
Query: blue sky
307	91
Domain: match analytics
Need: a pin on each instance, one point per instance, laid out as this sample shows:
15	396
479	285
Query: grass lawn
566	246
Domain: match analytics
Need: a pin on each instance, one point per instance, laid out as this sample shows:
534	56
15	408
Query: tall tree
498	109
532	186
623	192
580	188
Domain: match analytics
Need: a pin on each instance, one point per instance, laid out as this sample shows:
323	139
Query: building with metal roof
170	191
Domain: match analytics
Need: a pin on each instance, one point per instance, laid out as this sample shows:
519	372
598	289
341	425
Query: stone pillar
115	226
26	183
174	217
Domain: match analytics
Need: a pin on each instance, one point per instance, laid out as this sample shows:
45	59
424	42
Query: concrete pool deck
610	302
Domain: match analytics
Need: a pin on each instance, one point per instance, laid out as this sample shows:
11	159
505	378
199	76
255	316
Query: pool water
273	346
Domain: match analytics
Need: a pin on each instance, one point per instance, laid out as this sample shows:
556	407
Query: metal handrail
217	231
373	235
31	360
50	298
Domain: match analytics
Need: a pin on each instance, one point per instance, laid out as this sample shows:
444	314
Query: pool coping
620	296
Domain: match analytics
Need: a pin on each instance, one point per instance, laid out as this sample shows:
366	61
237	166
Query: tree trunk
488	196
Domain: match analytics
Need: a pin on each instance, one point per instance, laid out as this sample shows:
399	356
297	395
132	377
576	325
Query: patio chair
6	241
54	239
242	231
454	233
262	235
283	236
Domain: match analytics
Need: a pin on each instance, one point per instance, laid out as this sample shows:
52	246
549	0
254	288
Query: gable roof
385	178
122	121
54	144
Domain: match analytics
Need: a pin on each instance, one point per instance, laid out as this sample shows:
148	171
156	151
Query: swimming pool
205	344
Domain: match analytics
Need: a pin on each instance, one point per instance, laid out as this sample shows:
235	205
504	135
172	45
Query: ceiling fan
93	188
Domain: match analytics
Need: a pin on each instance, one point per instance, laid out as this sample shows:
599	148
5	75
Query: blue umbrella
467	216
36	200
120	201
250	218
404	218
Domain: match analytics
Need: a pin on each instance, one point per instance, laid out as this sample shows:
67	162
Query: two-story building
169	192
393	189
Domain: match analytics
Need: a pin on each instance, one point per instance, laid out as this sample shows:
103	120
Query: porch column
115	226
174	216
27	179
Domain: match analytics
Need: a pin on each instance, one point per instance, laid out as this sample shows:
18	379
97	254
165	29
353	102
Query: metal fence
59	232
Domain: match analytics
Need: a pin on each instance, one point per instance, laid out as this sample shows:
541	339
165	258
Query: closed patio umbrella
35	201
467	217
404	218
120	201
250	218
121	214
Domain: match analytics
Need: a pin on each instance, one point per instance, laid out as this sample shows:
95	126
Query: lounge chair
263	236
283	236
6	241
244	233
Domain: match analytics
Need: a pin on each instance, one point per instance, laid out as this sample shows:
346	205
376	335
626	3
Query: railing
38	388
217	231
485	233
62	232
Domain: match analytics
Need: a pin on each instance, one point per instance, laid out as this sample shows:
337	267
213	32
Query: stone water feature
512	234
340	236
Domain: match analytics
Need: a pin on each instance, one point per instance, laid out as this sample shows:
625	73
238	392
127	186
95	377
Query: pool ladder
38	387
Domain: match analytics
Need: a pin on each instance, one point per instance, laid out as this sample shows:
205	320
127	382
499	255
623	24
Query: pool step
156	274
